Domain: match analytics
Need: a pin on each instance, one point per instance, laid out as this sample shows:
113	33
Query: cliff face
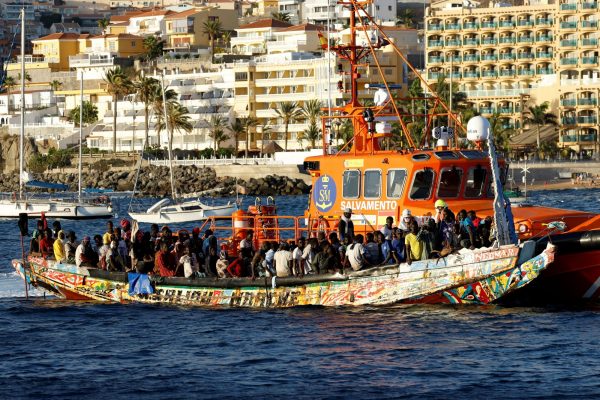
9	153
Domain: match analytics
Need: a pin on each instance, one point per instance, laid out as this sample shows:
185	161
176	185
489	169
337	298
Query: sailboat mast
162	80
22	135
80	135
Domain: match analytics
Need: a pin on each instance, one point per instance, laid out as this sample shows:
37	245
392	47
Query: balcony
434	27
507	56
452	27
506	24
506	110
568	139
569	61
470	25
543	22
507	40
589	42
471	42
568	121
489	57
471	58
486	110
435	43
568	43
455	75
489	25
545	71
489	42
496	92
568	102
507	72
489	74
526	72
568	7
568	25
435	59
471	74
91	60
525	39
543	55
589	137
589	60
454	59
543	39
526	56
525	22
589	5
452	43
433	75
587	120
587	102
589	24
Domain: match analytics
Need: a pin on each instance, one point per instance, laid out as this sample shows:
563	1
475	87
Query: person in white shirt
298	269
308	255
190	264
283	261
387	229
356	254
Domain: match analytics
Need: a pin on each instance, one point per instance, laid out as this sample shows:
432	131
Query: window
372	184
422	185
389	8
450	180
475	182
351	184
395	183
132	44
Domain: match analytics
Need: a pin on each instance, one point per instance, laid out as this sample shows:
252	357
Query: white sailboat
15	204
169	210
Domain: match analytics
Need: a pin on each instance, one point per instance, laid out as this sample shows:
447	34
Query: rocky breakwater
155	181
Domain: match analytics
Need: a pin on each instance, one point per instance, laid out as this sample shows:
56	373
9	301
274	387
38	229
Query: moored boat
166	211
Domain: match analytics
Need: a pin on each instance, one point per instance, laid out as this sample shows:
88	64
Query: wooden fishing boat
475	277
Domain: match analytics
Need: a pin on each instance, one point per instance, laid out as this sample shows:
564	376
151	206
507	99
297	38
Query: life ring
320	225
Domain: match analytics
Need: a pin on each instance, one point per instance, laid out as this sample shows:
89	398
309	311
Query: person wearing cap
405	220
346	226
439	207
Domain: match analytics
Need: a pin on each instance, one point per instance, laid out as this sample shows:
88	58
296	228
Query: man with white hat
345	226
404	220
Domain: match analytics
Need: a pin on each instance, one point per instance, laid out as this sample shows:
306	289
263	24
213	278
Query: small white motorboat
165	211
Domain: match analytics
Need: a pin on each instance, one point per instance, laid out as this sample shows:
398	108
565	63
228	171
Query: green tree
9	84
216	130
103	24
281	16
248	123
178	120
289	112
312	134
27	76
213	29
117	85
154	47
237	129
146	90
344	133
90	114
406	18
55	85
226	38
500	134
539	116
443	90
311	110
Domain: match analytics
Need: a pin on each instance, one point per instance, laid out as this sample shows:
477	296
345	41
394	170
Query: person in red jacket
236	268
164	262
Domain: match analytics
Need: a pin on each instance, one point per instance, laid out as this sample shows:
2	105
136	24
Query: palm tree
226	38
154	47
248	123
312	133
539	116
103	24
500	134
312	110
266	130
237	129
281	16
443	90
406	18
55	85
178	119
217	130
27	76
146	89
288	112
213	29
117	84
9	84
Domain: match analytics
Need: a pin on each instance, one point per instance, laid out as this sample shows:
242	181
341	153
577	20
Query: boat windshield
351	184
395	183
450	180
475	182
422	185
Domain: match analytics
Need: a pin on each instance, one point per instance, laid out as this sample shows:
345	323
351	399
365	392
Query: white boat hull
54	209
181	213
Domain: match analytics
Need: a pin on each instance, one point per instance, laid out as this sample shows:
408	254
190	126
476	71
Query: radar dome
478	129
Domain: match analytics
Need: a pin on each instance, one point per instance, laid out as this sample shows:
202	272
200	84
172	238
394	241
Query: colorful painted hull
490	273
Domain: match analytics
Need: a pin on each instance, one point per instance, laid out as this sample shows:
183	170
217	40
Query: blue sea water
55	349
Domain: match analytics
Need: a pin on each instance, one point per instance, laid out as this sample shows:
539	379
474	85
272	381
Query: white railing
219	161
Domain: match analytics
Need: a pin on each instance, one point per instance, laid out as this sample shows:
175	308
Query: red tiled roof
304	27
266	23
59	36
183	14
125	17
154	13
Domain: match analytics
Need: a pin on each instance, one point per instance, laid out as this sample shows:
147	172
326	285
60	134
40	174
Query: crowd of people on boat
160	252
